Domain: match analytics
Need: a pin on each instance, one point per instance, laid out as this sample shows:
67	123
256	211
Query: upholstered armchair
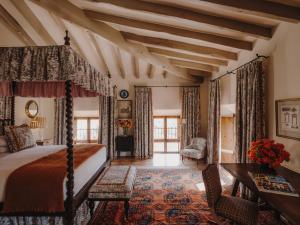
196	150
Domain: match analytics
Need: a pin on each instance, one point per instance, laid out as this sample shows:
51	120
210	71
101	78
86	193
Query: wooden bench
114	184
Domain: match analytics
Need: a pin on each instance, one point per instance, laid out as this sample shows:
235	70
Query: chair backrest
212	184
198	143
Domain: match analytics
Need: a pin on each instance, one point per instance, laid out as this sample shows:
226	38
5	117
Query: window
86	129
166	134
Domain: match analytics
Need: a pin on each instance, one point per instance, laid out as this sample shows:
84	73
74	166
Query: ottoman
114	184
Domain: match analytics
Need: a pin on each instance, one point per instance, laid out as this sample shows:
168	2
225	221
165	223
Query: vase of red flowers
125	124
267	153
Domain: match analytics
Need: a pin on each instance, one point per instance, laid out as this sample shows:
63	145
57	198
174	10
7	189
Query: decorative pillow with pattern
3	144
19	137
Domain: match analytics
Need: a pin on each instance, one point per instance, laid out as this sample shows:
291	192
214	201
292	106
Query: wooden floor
169	160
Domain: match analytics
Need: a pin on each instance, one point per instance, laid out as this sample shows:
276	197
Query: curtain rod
166	86
232	71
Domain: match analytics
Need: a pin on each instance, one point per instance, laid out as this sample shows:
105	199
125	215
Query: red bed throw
38	186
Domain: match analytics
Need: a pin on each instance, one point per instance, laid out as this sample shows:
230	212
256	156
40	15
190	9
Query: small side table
124	144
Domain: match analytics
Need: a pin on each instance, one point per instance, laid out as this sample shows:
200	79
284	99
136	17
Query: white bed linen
82	174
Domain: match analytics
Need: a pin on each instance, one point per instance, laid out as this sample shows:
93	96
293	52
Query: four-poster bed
52	71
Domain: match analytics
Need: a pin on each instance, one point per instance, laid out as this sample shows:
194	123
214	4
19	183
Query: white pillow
3	144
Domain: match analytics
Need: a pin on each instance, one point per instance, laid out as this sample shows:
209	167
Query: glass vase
125	131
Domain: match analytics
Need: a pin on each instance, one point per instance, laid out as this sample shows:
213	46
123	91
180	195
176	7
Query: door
166	134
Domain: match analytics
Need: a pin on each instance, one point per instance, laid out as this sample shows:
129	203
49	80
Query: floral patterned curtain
5	112
51	63
213	134
60	121
190	100
107	123
250	108
143	130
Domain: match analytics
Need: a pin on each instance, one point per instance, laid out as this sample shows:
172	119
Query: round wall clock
124	94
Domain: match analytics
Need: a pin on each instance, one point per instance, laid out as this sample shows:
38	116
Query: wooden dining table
287	206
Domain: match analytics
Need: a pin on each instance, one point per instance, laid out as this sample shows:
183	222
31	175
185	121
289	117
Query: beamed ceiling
183	38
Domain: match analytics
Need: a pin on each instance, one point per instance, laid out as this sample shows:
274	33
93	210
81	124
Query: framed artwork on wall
288	118
124	108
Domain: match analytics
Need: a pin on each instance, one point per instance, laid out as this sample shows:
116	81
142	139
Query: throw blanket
38	186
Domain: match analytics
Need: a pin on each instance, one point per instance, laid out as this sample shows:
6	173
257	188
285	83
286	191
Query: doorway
166	134
227	139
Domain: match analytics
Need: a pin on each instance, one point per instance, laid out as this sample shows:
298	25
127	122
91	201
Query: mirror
31	109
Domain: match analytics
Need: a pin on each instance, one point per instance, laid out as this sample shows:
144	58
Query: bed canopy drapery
51	71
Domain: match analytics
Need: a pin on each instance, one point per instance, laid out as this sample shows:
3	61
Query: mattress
82	174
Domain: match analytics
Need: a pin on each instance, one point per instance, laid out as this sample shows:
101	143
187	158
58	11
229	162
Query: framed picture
124	108
288	118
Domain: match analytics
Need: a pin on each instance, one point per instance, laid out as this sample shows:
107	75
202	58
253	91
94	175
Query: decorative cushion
237	209
192	153
115	182
3	144
19	137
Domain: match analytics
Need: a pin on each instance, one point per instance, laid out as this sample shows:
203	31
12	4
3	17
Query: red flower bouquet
267	152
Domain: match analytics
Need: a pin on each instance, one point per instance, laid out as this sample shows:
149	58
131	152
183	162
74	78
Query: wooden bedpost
67	39
69	205
13	109
109	108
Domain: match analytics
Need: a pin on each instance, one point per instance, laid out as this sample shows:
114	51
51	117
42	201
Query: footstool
114	184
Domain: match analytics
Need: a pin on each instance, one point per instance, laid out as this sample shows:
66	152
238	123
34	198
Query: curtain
190	101
107	123
60	121
250	108
213	135
5	112
143	132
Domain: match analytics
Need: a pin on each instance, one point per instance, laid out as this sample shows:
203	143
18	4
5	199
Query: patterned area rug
166	196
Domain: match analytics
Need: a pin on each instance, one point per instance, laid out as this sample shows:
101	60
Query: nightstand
124	144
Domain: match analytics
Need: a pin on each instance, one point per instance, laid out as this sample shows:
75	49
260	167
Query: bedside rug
166	196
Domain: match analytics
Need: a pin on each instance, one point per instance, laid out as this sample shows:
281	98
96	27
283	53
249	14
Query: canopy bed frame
75	83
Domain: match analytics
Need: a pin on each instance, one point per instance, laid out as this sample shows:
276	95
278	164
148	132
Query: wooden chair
236	209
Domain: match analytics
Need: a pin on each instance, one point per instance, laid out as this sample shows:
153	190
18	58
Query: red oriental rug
167	196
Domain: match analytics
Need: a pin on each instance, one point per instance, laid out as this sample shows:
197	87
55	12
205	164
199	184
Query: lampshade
38	122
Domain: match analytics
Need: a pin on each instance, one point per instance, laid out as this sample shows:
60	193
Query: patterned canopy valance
51	63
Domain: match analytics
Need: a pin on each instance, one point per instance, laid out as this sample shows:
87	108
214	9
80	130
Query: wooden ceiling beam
135	67
213	38
165	74
214	52
194	58
94	43
10	23
76	15
62	27
269	9
193	65
27	13
149	71
121	64
199	73
217	21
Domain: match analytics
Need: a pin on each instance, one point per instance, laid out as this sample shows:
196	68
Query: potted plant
268	153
